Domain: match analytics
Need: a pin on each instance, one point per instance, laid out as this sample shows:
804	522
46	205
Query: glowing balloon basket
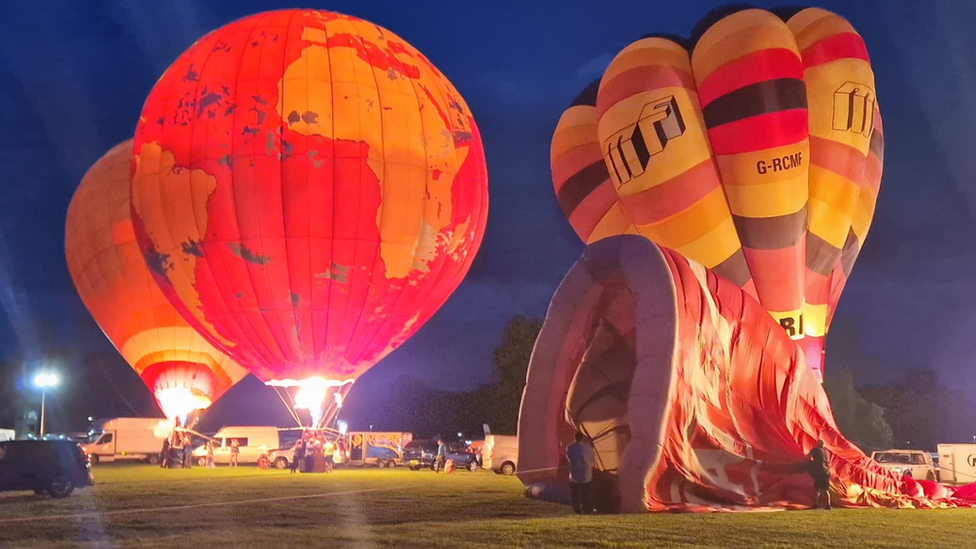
307	190
322	398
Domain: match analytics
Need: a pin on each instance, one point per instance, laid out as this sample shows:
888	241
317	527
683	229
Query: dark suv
421	453
54	467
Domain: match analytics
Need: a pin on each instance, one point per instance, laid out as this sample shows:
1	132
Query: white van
128	438
251	441
500	454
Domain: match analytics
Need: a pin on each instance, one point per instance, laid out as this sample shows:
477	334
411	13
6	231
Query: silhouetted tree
862	422
511	362
914	407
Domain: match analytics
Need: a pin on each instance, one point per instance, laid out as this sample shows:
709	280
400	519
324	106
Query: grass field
143	506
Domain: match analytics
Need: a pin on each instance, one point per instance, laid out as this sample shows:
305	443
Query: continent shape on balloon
308	189
183	371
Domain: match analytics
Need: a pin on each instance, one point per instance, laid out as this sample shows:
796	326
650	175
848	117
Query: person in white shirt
581	458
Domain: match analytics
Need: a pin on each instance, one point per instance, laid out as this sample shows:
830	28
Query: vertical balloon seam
383	325
439	273
327	316
253	333
261	24
263	237
350	28
153	280
170	273
442	273
347	357
314	343
286	209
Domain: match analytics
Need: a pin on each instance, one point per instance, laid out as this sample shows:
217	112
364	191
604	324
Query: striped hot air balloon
757	154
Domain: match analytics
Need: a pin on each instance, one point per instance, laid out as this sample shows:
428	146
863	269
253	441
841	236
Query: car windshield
899	458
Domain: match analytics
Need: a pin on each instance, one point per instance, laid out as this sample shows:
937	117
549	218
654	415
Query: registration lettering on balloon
784	163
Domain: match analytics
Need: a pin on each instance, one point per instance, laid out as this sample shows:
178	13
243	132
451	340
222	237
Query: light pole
45	380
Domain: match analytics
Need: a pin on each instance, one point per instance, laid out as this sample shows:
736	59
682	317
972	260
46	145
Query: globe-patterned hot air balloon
757	154
183	371
308	189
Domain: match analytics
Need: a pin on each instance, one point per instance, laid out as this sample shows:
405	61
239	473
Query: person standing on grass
176	451
329	452
298	456
164	454
441	459
581	459
235	452
210	455
187	451
817	467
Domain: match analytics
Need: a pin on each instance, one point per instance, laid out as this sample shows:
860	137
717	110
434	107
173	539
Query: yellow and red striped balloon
757	154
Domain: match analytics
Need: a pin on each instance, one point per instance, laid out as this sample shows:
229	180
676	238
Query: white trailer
7	434
128	438
957	463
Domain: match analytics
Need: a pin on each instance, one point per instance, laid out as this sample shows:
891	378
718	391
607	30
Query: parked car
916	462
500	454
280	458
54	467
420	454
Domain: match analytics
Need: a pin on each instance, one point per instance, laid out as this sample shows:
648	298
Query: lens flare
178	402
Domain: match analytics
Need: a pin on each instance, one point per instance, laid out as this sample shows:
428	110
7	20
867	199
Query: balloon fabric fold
724	194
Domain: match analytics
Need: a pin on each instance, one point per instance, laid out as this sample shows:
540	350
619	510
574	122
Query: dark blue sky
73	76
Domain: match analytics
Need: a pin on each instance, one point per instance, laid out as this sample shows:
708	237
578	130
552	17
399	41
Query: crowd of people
177	452
316	453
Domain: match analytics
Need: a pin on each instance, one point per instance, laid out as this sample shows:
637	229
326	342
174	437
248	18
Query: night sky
73	76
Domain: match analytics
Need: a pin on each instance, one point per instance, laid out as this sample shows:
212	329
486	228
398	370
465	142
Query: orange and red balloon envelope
183	371
308	189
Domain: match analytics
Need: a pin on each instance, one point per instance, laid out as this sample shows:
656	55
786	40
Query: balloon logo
308	189
179	366
757	155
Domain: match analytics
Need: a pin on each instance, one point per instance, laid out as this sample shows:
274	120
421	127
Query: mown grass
145	506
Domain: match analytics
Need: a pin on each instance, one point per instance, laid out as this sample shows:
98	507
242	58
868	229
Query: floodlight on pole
45	380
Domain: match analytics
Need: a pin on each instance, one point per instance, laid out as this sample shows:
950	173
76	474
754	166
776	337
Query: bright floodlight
44	380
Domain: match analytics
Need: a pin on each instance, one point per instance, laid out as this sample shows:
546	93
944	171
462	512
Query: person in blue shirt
581	459
441	455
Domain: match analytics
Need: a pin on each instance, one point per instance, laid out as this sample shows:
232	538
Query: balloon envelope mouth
178	402
313	394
